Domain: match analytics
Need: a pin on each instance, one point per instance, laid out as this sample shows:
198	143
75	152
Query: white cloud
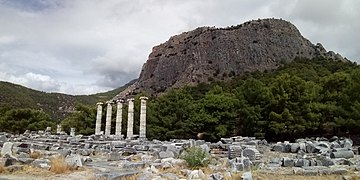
91	46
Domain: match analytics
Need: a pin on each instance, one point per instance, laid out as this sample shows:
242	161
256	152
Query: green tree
19	120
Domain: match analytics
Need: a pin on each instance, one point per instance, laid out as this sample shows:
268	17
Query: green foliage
57	105
196	157
83	120
316	97
19	120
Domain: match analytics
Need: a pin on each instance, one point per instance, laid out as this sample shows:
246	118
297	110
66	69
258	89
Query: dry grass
132	177
58	165
2	169
35	155
266	176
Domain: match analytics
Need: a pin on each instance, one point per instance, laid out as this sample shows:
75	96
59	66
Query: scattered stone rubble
112	157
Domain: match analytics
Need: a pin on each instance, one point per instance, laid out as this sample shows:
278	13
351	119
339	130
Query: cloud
91	46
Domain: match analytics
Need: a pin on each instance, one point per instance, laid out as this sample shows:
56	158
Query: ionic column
142	133
98	118
118	117
72	131
58	129
130	123
108	118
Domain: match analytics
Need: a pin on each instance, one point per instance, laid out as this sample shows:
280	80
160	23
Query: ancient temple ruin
118	125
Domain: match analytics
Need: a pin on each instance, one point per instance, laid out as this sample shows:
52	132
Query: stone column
98	118
142	131
118	117
72	131
58	129
130	123
108	118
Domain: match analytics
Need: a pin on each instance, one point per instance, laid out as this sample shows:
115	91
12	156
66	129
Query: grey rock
169	176
334	144
38	146
246	176
234	151
347	143
133	165
114	156
173	60
141	147
310	147
14	168
245	161
237	166
251	153
6	161
145	176
326	171
74	160
295	147
325	162
64	152
205	147
166	154
42	163
26	160
342	154
298	170
7	148
287	148
85	152
310	172
278	148
216	176
302	163
339	171
196	174
118	144
288	162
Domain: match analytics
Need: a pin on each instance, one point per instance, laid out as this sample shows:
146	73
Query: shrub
196	157
58	165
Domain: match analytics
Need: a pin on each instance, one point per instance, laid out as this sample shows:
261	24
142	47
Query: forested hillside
22	108
303	98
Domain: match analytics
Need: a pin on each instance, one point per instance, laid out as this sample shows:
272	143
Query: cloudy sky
89	46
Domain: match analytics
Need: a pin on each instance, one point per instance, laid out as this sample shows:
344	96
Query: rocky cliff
209	54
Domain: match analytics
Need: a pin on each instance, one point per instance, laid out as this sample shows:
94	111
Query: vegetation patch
196	157
59	165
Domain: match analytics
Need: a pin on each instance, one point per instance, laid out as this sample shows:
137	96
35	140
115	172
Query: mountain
57	105
209	54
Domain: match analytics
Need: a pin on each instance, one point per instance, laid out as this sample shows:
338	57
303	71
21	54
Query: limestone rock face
209	54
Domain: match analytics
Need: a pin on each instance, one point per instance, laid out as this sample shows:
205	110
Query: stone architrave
108	118
142	133
118	117
98	118
130	123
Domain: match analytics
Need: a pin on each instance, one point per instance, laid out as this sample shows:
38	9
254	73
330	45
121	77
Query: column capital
109	102
144	98
130	99
99	103
120	101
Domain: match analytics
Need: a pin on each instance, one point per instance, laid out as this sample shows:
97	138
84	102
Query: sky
90	46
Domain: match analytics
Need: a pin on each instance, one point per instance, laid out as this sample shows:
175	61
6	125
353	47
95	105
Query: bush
58	165
196	157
